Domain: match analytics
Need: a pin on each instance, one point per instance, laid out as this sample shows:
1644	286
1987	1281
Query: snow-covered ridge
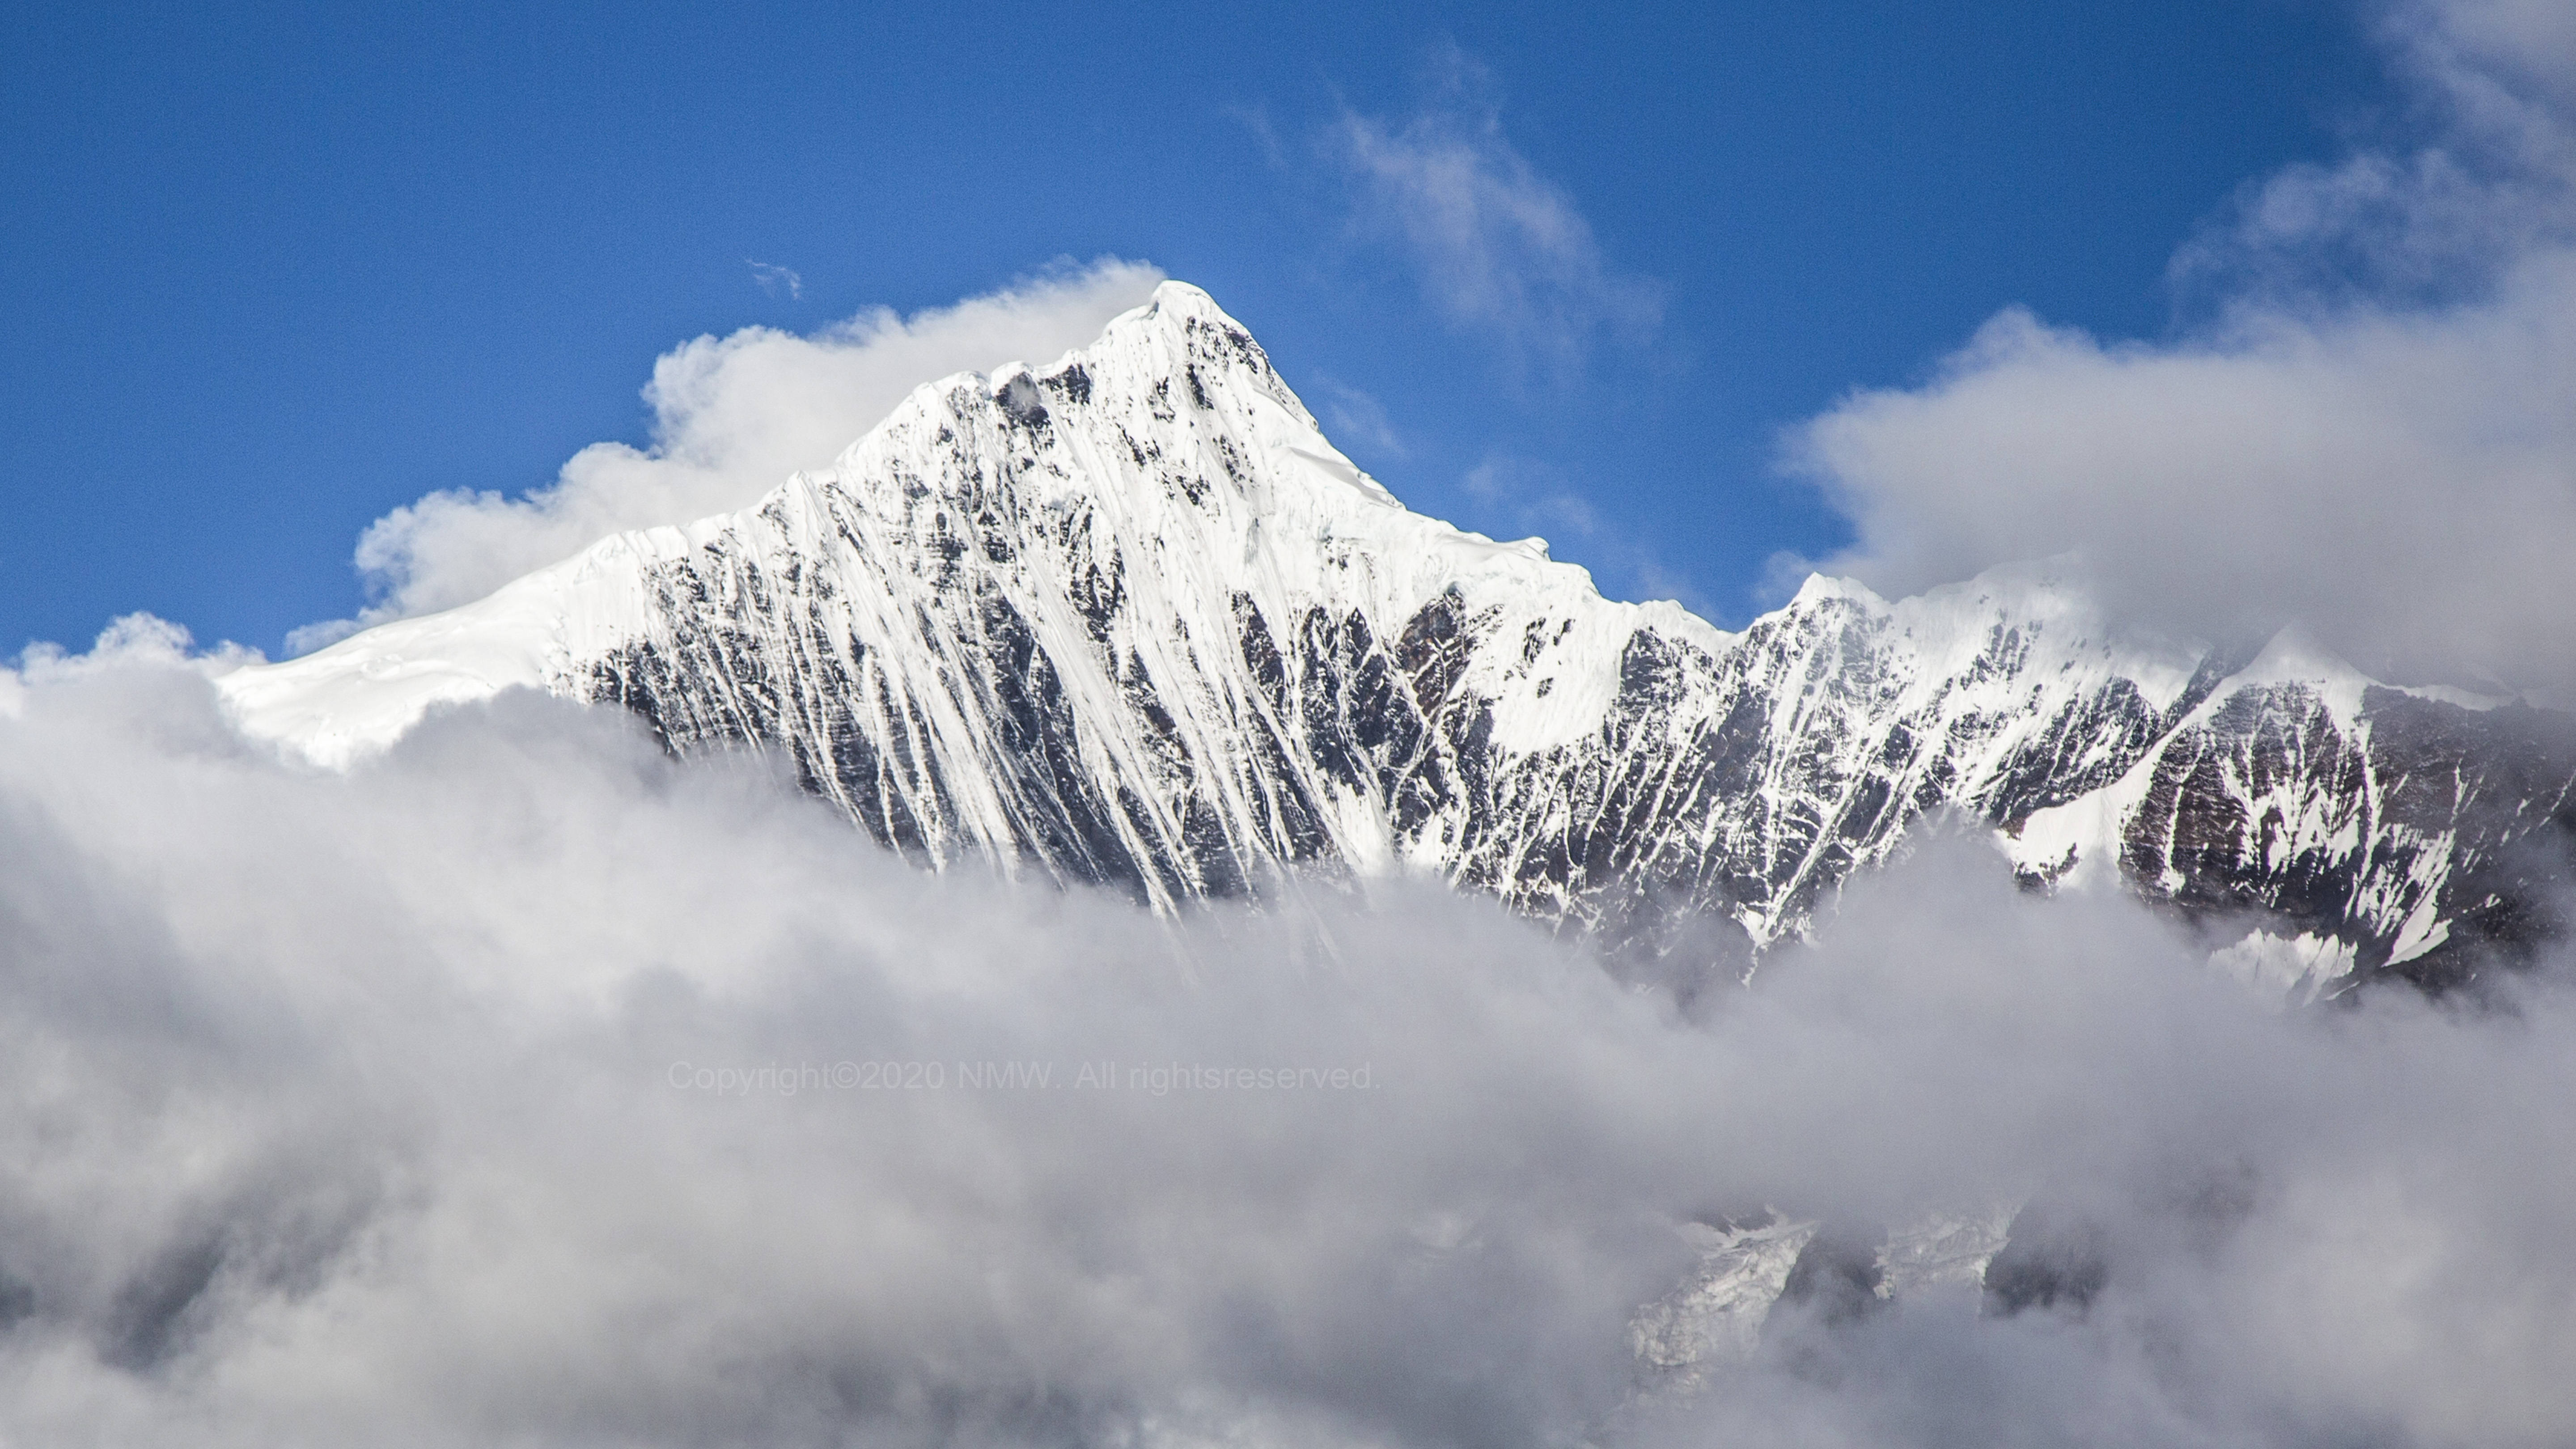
1301	519
1131	618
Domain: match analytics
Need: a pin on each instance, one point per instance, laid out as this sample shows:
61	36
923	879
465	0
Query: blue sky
272	271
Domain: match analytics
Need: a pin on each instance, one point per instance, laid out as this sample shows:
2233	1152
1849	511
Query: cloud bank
732	418
426	1105
2374	440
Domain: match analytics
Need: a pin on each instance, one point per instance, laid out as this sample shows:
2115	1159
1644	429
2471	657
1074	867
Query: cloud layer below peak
494	1092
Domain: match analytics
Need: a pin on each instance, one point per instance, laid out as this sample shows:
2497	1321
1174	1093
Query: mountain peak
1131	619
1177	298
1822	588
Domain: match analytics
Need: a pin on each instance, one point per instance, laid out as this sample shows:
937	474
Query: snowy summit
1130	618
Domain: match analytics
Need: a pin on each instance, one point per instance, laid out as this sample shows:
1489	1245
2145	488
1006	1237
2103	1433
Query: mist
526	1085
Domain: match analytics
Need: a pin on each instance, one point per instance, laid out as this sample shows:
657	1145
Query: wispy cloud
1530	495
1353	415
1501	248
2482	172
772	277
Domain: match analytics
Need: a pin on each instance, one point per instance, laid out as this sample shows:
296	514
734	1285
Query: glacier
1130	619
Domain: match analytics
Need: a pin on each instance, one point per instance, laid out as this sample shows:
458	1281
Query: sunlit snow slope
1132	619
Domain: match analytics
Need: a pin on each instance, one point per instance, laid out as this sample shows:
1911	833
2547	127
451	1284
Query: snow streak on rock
1131	619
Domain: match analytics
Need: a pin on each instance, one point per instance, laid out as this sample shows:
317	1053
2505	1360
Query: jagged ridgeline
1131	619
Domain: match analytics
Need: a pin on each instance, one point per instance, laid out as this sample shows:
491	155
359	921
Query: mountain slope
1131	619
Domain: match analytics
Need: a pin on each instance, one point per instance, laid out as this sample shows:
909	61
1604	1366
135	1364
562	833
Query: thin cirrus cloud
1500	248
733	416
1531	496
1354	415
2375	441
772	277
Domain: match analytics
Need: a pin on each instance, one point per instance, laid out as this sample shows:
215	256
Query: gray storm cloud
2374	440
395	1107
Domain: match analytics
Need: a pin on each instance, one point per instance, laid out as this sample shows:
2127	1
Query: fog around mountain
396	1106
563	1053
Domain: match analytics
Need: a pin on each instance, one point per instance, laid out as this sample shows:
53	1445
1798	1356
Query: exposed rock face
1131	619
2386	828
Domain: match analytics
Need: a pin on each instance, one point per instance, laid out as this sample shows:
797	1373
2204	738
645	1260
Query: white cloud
732	418
2378	440
2480	177
344	1110
2405	484
2492	53
1502	249
771	277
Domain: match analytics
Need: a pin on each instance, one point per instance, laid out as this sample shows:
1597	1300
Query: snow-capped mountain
1131	619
